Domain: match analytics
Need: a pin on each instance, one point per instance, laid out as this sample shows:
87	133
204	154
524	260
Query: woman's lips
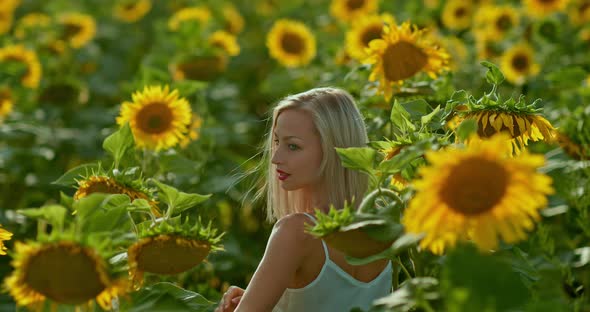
282	175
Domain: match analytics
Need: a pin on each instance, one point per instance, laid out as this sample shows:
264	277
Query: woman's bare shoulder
295	225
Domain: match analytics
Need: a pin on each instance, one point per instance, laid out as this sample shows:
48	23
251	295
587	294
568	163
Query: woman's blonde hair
339	124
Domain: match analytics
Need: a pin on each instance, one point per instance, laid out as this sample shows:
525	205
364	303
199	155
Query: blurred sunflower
6	18
225	41
502	20
201	68
487	49
131	11
348	10
31	22
579	12
402	52
200	14
63	272
517	64
192	132
291	43
4	236
457	14
479	193
164	254
234	22
365	29
78	28
20	54
6	102
158	118
541	8
573	149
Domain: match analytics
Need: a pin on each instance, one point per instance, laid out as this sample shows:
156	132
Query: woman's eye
293	147
276	142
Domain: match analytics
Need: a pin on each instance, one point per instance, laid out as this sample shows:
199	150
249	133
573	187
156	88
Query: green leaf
54	214
475	282
69	178
360	158
118	143
178	201
103	212
401	244
427	118
410	293
417	108
566	78
400	118
166	297
493	75
466	128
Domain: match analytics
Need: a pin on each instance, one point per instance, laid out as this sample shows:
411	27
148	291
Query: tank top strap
323	243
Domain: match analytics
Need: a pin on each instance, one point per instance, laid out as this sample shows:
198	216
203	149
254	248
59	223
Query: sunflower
365	29
201	14
29	23
201	68
517	64
521	127
20	54
225	41
501	20
63	272
6	18
478	193
234	22
573	149
457	14
158	118
402	52
541	8
4	236
131	11
165	254
6	103
580	12
78	28
9	5
291	43
348	10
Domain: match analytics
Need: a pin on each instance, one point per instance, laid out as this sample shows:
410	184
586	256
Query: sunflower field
131	134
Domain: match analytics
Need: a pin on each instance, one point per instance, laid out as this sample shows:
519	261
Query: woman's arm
287	247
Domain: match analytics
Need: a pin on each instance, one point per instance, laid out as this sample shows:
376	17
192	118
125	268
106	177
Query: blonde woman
299	272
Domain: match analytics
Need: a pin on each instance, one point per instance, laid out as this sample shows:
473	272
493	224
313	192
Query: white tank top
335	290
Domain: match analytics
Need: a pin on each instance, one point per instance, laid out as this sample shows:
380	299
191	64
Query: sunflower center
170	255
584	7
461	12
504	22
292	43
547	1
204	68
64	273
355	4
520	62
370	33
71	30
474	186
155	118
102	187
5	96
402	60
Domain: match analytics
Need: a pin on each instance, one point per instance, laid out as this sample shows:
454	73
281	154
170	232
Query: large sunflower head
234	22
131	11
479	193
4	236
30	23
365	29
291	43
199	14
541	8
518	64
20	54
402	52
457	14
62	272
158	118
579	12
225	41
201	68
348	10
6	102
78	28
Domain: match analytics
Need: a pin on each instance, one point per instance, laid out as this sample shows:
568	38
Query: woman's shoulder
295	225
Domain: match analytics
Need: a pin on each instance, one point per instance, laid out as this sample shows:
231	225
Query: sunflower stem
395	277
399	261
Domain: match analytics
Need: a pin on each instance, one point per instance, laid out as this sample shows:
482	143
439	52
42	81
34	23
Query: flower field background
131	132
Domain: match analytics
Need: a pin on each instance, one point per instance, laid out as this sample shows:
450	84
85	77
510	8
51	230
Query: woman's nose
276	157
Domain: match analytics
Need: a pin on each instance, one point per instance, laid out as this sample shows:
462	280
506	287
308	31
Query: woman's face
297	150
